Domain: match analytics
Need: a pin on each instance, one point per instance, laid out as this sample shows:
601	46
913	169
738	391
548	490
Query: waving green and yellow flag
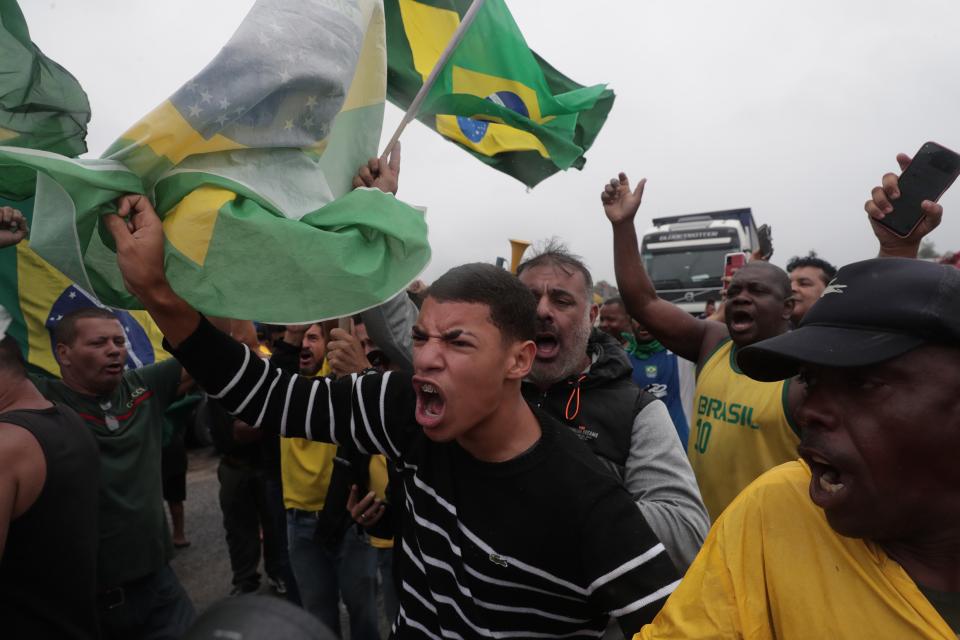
42	106
495	97
250	166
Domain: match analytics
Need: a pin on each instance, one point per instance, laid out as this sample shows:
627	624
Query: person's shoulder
780	492
578	464
165	371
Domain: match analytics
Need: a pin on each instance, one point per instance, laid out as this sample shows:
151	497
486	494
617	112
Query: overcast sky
795	109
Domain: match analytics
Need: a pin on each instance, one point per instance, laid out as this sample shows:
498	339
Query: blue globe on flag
475	130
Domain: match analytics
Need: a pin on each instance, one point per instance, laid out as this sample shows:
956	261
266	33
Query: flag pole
434	73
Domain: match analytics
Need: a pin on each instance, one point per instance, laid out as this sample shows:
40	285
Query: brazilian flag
43	107
495	97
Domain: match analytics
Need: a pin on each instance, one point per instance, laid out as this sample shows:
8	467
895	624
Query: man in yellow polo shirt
328	565
860	539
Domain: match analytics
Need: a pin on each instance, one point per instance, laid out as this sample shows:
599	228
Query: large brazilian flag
42	106
249	165
495	97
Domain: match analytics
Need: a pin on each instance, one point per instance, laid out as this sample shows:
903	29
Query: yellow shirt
772	568
378	484
738	430
305	468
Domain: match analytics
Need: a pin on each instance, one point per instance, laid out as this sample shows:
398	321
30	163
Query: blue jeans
391	605
324	575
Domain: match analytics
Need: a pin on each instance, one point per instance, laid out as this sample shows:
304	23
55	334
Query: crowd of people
500	457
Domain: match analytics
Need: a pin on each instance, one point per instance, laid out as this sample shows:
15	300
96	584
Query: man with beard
860	539
512	527
582	377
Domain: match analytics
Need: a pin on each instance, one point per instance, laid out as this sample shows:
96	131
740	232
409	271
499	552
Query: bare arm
879	205
680	332
23	470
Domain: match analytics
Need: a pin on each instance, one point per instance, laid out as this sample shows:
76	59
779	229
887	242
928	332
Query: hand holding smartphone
931	172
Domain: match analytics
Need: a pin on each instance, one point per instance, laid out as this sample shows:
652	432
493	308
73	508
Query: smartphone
929	174
732	262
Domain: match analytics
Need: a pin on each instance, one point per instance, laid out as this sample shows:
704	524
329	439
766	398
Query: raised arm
675	328
880	204
13	227
342	412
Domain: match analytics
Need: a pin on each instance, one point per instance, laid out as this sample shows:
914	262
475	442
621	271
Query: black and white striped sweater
546	545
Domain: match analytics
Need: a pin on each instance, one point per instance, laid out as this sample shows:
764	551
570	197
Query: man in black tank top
48	510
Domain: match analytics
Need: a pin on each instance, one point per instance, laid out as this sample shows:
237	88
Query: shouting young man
500	537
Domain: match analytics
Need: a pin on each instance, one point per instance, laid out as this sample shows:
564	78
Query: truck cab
684	255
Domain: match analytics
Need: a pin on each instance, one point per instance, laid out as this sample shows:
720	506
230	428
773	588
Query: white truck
684	255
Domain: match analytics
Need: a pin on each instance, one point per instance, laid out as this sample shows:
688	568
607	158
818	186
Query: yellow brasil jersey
772	568
739	429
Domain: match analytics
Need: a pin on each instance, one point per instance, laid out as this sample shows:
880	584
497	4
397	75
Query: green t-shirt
128	425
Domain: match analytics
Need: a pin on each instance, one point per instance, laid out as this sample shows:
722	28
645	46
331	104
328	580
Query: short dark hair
827	269
555	253
11	358
513	309
66	330
781	279
614	300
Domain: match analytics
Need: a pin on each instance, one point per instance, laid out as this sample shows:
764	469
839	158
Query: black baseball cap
872	311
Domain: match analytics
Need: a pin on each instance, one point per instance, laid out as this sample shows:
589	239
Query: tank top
48	569
739	429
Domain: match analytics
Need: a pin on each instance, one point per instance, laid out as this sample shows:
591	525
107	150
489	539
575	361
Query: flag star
224	103
206	96
222	120
52	319
289	56
191	86
285	76
288	125
195	111
311	102
59	317
276	27
308	121
72	295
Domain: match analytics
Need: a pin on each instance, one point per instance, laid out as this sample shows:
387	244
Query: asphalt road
204	566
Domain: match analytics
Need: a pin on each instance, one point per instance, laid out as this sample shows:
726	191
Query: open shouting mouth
431	403
829	483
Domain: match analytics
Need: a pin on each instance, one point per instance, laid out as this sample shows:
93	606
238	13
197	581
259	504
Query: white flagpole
428	83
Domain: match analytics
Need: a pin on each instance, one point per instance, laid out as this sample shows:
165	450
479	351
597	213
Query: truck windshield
693	269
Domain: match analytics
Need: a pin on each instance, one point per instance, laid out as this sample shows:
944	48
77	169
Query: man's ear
788	306
594	312
520	359
63	354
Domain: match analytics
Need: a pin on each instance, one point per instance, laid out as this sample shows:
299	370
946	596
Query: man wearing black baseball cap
861	538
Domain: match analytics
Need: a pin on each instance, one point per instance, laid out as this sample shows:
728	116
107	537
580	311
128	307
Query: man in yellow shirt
328	565
862	538
739	427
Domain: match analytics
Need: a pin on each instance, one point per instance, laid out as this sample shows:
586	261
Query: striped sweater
546	545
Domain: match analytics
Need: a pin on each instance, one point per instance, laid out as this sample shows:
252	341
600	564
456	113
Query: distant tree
928	251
